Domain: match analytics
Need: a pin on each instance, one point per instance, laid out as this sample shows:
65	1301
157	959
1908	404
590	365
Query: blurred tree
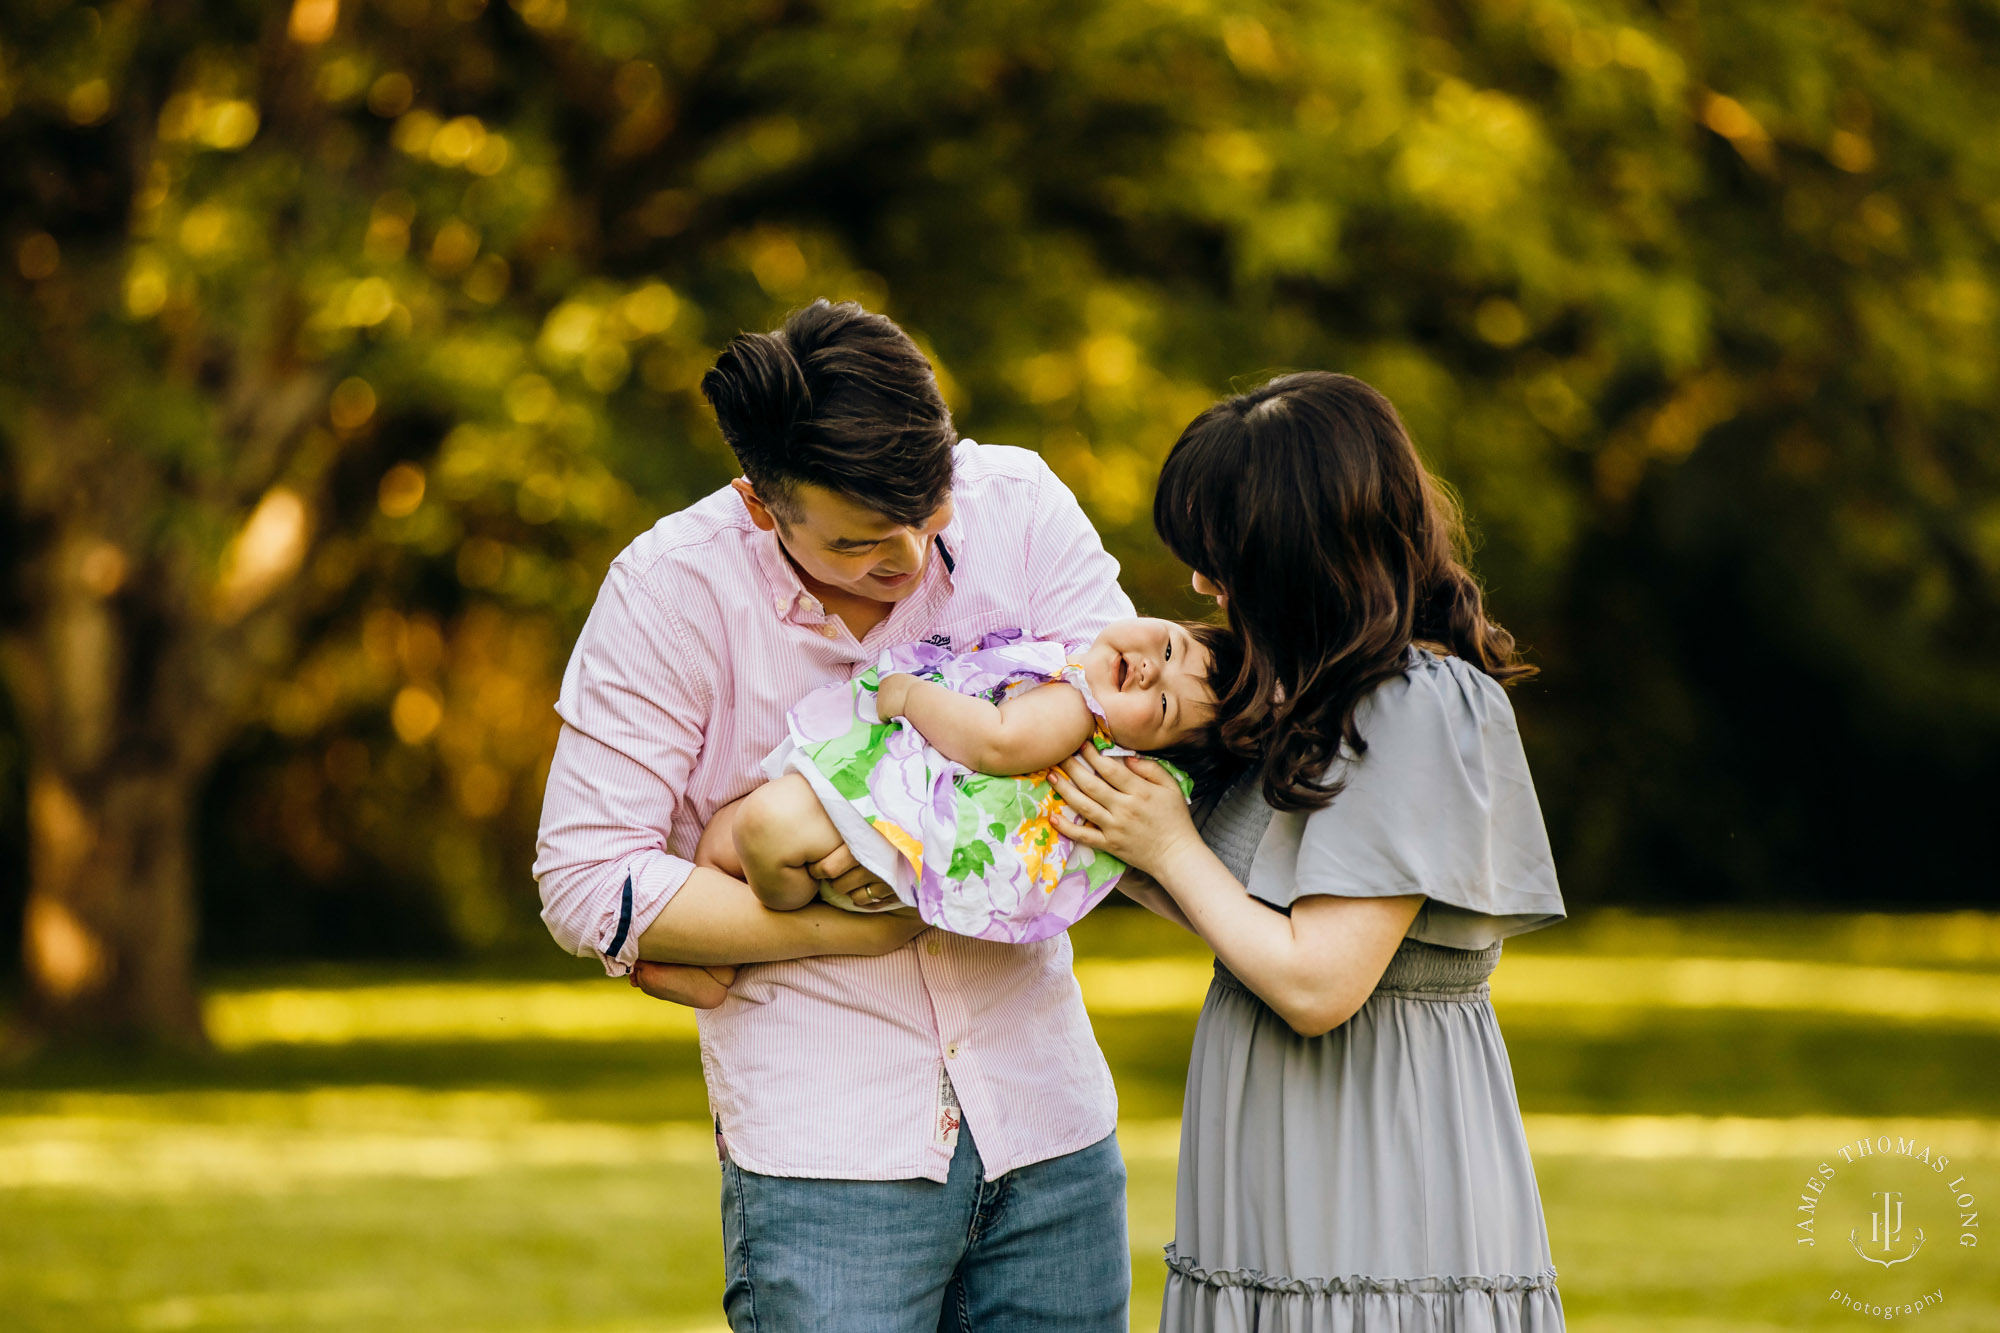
351	334
273	363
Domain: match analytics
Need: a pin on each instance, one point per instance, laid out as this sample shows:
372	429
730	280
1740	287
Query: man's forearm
716	919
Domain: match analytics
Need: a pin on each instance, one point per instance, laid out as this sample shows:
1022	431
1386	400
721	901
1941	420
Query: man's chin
886	590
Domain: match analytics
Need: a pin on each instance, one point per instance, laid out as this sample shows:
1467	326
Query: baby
932	768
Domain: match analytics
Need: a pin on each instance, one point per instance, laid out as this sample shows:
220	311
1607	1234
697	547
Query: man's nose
906	552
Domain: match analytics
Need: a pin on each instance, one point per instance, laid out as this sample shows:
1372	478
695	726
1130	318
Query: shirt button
951	1051
828	629
934	948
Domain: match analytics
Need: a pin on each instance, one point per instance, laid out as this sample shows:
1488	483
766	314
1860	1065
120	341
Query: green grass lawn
495	1153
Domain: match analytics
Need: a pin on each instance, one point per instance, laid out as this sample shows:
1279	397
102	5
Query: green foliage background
1695	304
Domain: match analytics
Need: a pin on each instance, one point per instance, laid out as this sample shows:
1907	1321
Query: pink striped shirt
701	638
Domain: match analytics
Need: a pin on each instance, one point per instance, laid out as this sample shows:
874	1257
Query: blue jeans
1041	1248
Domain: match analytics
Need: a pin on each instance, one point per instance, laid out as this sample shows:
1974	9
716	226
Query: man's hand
844	875
677	983
1144	890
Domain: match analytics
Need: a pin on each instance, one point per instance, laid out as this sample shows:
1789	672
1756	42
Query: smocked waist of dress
1419	971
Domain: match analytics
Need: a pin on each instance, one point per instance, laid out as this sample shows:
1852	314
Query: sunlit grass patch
630	1248
1968	940
119	1144
384	1210
1133	963
383	1152
600	1010
275	1142
1550	988
1534	988
1744	1138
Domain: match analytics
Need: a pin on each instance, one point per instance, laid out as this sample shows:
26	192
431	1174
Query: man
916	1126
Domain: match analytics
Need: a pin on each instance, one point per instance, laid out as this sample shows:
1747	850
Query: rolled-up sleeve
632	701
1076	579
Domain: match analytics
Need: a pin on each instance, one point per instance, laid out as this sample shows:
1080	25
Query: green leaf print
1097	866
848	759
987	810
970	860
988	800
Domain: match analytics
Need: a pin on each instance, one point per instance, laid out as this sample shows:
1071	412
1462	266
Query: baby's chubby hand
892	694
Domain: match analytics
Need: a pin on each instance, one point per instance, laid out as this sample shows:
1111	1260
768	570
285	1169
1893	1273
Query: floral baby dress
973	853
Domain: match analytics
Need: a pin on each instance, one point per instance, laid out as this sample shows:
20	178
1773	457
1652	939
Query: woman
1352	1154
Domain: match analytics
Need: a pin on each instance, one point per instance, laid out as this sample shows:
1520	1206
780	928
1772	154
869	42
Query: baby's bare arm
1026	734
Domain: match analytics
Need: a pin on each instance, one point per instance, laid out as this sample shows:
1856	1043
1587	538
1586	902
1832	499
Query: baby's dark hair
1203	756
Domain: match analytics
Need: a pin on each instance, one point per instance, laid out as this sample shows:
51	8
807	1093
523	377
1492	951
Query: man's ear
760	514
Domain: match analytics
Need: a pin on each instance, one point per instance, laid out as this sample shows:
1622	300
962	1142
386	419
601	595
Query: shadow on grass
639	1083
1733	1063
1701	1062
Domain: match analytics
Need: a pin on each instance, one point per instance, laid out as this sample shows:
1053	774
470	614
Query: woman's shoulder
1436	698
1439	803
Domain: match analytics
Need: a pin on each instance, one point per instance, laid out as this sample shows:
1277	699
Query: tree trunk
109	937
130	663
115	743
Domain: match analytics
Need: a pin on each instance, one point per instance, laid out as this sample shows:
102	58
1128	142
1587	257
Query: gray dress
1377	1177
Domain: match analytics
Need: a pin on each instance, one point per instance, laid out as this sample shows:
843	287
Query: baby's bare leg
717	848
780	830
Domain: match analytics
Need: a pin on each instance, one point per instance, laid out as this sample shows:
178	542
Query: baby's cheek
1125	722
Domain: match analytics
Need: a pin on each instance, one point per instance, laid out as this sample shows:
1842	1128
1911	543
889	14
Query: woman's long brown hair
1335	548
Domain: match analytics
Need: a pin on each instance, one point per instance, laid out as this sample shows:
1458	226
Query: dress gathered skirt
1369	1180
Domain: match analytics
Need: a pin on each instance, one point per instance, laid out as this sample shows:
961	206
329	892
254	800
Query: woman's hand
1134	808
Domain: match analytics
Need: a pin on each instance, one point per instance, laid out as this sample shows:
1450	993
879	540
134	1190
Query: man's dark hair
838	398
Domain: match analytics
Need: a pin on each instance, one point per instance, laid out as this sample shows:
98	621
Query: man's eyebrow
849	543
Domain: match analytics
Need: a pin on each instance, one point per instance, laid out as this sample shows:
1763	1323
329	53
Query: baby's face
1151	679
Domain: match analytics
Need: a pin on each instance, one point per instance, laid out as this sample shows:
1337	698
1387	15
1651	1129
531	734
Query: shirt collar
950	543
788	594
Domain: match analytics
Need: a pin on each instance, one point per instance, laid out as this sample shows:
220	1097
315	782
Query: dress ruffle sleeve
1440	804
